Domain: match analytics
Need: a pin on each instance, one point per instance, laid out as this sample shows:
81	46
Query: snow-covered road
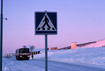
39	65
60	66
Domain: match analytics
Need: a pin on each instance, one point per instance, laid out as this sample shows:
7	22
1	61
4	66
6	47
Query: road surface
39	65
59	66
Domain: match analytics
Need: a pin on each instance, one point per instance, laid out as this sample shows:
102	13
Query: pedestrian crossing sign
45	23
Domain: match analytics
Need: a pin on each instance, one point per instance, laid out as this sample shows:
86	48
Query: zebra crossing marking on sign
46	23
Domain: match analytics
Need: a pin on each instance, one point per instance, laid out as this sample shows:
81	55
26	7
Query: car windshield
24	50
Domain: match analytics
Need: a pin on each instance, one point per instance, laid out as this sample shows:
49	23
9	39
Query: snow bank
94	56
99	43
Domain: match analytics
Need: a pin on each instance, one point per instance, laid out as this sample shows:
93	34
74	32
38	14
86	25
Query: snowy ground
90	57
14	65
94	56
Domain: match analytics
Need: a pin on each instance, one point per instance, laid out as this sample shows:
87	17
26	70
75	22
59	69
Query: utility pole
1	35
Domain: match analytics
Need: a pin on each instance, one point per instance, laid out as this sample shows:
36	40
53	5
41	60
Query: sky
78	21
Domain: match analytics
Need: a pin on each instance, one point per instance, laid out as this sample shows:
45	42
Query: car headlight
20	56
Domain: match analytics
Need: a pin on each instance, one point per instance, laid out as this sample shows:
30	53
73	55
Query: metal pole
46	59
1	35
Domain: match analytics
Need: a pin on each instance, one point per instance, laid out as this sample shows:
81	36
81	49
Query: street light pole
1	35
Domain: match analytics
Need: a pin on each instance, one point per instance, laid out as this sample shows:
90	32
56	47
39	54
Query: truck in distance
22	54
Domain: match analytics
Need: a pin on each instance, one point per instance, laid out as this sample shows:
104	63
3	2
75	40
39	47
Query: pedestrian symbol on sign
46	20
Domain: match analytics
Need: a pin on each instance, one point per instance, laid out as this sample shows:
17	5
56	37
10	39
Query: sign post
46	24
46	59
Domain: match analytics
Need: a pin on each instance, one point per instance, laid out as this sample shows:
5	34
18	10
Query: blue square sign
45	23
